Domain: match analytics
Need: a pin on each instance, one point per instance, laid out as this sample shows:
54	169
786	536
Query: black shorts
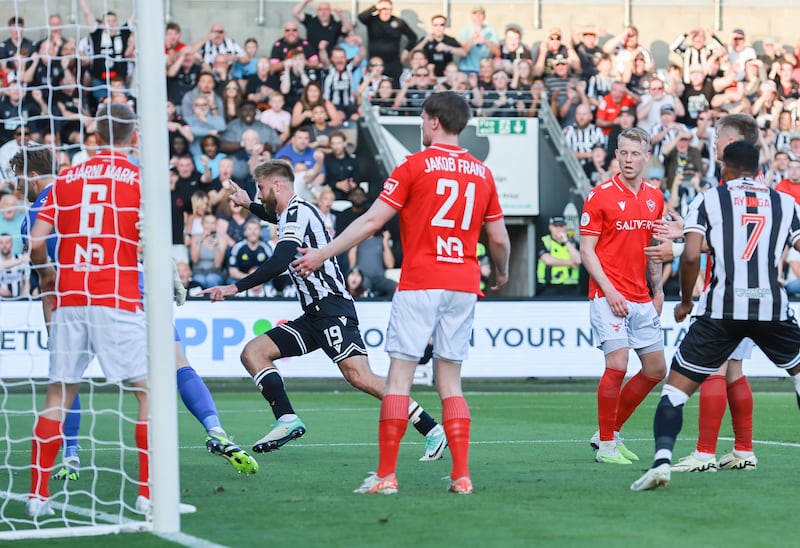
709	343
337	336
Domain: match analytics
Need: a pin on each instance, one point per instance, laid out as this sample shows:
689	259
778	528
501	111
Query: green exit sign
501	126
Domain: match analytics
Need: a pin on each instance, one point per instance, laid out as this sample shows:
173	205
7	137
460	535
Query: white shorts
418	315
744	351
117	337
641	329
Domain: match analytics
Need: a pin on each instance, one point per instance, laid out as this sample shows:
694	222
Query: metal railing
580	182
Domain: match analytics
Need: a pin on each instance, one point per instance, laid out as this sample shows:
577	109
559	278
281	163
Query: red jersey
444	195
94	207
623	222
609	109
790	188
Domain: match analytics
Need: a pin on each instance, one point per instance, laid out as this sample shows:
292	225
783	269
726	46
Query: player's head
735	127
446	111
739	159
633	152
116	125
275	180
33	165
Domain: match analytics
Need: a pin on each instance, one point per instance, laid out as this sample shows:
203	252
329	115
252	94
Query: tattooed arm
654	271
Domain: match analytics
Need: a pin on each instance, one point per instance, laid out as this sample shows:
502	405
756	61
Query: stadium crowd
299	97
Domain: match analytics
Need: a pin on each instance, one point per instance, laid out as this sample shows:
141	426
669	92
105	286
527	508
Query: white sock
676	396
796	381
743	454
705	457
607	447
663	454
287	417
218	431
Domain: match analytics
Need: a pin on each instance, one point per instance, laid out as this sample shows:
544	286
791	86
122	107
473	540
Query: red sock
47	434
456	421
391	428
713	401
607	402
740	400
144	460
635	390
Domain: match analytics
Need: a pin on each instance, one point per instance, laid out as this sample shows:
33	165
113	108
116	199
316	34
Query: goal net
57	69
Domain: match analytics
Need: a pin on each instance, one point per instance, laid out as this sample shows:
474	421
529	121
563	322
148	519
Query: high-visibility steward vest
556	275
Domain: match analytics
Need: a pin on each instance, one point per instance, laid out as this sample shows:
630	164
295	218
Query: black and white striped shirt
302	224
746	225
583	140
209	50
338	87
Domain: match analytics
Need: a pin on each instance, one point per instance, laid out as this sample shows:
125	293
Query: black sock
667	424
423	422
270	384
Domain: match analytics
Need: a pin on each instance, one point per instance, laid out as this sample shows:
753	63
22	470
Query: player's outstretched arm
500	250
358	231
275	265
690	266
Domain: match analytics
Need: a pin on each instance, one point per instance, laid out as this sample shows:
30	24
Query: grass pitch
536	483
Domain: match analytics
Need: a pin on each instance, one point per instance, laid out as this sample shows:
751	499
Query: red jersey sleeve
494	212
396	187
592	217
48	210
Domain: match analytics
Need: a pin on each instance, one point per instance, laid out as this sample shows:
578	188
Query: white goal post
90	519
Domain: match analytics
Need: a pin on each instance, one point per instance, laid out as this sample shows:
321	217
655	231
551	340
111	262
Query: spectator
683	169
207	162
231	221
232	138
566	94
202	122
178	146
247	255
8	150
595	168
215	43
548	51
352	44
789	272
697	96
385	33
778	169
112	49
221	71
257	88
599	84
337	85
181	189
732	101
207	252
788	87
754	76
522	77
611	104
794	144
15	270
319	130
649	110
322	27
416	60
774	55
783	131
626	119
373	256
200	206
791	184
242	71
308	180
703	139
232	99
298	150
584	42
88	149
371	79
385	98
559	260
183	75
666	130
325	201
290	42
341	168
479	40
45	70
636	76
538	94
739	53
296	76
312	96
218	188
205	87
283	285
11	215
246	158
501	101
17	109
276	117
413	94
438	47
356	287
697	51
173	46
583	136
359	203
15	47
624	47
767	106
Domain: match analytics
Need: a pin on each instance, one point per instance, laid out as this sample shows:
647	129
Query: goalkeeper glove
177	286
